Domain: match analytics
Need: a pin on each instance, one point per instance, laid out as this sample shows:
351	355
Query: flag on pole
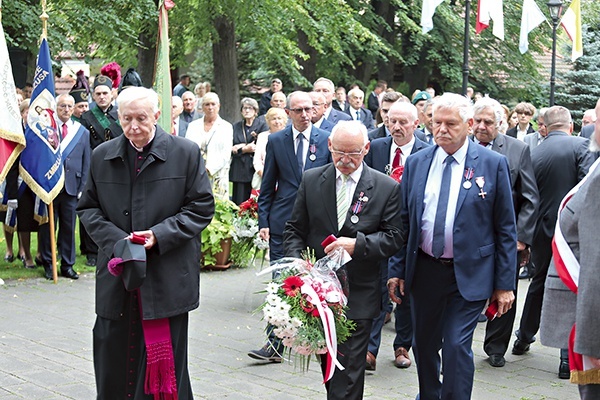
12	140
571	21
41	162
531	18
490	10
162	74
427	12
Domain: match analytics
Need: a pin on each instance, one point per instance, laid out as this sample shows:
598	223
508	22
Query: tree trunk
226	69
309	66
146	58
387	10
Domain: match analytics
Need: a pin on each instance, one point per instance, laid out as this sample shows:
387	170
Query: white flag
427	12
530	19
490	10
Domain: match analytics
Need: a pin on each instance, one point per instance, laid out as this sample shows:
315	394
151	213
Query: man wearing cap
81	94
182	86
103	124
265	99
153	185
420	99
75	152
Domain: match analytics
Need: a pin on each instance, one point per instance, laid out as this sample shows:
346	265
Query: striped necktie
342	201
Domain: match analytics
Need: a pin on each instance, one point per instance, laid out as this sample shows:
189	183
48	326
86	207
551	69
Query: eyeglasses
524	113
301	110
342	154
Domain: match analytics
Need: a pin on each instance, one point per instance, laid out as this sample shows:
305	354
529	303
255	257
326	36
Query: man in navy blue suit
290	152
326	86
75	150
388	155
458	211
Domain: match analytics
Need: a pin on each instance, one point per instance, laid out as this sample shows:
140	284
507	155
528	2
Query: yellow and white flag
571	21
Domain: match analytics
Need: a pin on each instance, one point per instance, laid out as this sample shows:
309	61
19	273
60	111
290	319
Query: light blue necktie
439	226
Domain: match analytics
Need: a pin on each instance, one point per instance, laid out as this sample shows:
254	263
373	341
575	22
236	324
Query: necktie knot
449	160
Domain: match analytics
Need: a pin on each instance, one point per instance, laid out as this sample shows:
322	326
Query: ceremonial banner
427	12
162	74
531	17
12	140
41	162
571	21
490	10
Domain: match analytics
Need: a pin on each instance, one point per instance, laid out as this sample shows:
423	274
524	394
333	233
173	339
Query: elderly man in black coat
153	185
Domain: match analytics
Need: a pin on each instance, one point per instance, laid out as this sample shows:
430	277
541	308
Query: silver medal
354	219
467	185
312	157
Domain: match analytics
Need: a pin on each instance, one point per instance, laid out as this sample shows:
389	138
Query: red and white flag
12	139
490	10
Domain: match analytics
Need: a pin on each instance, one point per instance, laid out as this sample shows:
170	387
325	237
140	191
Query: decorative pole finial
44	18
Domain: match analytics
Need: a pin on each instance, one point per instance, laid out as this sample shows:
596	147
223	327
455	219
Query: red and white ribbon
328	321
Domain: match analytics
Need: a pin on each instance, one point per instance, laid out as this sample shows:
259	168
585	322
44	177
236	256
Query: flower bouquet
394	173
246	241
306	305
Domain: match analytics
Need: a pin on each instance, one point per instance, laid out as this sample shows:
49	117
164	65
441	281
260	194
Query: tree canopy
351	41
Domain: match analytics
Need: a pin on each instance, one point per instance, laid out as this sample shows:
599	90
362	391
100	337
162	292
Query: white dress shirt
406	150
430	201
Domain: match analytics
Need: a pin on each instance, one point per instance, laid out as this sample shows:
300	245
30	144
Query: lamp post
555	7
465	71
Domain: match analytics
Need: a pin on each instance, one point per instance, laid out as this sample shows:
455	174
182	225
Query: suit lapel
421	179
288	144
472	161
499	145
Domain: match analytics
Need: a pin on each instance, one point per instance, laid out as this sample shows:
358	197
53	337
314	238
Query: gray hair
488	102
405	107
249	101
556	118
353	127
294	94
454	101
329	82
356	92
134	93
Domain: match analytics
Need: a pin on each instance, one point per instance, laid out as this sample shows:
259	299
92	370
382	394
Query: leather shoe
91	261
525	274
482	318
48	273
69	273
402	360
266	353
564	371
388	318
520	347
496	360
371	362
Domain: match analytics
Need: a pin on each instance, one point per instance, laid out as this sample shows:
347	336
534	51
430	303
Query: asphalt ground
46	349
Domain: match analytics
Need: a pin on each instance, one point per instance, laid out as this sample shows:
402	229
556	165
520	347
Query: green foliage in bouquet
220	228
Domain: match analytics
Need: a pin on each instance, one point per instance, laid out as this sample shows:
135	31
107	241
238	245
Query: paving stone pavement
46	340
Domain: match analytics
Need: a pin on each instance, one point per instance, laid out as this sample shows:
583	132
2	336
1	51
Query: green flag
162	74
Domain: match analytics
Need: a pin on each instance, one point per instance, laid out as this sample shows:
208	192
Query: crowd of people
439	200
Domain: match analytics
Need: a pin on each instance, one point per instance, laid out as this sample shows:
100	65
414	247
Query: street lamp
555	7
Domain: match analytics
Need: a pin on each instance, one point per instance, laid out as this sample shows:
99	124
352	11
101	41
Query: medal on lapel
358	206
469	172
480	181
312	150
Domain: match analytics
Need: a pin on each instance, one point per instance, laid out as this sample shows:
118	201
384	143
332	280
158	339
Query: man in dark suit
265	99
373	100
487	119
559	163
457	209
290	152
75	151
388	155
318	120
326	86
389	98
370	233
356	110
340	103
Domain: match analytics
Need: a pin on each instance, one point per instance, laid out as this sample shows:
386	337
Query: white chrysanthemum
273	299
296	322
272	287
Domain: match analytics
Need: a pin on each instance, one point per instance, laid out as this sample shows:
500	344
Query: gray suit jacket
522	180
587	131
532	140
561	307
